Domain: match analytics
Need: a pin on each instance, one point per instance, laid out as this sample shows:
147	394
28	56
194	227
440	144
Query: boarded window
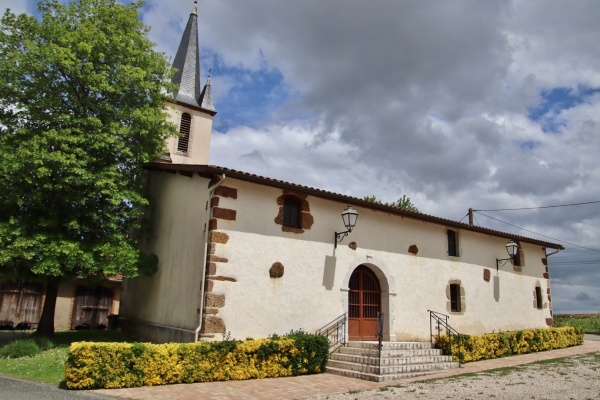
452	243
538	297
291	212
455	297
184	129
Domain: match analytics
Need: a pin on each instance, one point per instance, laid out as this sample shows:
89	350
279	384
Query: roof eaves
210	170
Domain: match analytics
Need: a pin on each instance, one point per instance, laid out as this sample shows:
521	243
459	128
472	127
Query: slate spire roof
187	66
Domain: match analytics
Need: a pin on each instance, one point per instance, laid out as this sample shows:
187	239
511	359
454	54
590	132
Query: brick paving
300	387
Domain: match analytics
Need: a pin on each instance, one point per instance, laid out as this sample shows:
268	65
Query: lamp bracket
502	261
339	236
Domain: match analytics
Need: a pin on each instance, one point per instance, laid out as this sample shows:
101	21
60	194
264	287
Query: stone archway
386	288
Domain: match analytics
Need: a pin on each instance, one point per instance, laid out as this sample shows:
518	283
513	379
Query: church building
242	255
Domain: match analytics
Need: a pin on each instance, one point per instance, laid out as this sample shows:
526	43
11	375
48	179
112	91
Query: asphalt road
18	389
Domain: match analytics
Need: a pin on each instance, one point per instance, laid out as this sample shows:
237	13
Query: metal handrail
441	323
335	331
380	336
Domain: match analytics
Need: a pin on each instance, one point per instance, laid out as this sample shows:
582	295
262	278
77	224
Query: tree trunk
46	326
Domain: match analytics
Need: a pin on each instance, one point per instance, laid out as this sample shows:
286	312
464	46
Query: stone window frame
452	241
306	220
292	210
185	129
455	293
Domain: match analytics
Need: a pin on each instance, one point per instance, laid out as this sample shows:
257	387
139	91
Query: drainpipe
206	235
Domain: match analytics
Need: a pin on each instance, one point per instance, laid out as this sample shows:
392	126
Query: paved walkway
307	386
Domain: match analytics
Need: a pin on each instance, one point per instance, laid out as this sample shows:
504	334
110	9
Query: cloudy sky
489	105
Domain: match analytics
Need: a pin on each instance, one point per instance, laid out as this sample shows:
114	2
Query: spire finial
195	10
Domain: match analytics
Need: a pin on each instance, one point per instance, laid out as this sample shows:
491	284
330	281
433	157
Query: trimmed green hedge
493	345
118	365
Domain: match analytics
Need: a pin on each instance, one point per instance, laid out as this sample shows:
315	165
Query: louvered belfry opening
364	304
184	128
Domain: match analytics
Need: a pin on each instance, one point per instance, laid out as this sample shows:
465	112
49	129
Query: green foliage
493	345
113	365
403	203
81	111
314	352
49	364
588	322
20	348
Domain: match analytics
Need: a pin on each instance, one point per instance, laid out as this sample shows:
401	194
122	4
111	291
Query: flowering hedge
118	365
493	345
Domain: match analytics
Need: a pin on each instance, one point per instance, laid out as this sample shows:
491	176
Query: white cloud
429	99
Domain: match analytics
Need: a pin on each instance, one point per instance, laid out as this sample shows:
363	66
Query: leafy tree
403	203
82	108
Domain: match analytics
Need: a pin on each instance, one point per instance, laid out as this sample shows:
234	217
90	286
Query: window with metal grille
452	243
538	297
291	212
184	129
455	297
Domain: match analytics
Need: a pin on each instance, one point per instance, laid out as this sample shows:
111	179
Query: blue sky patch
254	98
553	101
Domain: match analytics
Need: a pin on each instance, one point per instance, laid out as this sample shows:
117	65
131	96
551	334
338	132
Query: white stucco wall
257	305
314	288
172	297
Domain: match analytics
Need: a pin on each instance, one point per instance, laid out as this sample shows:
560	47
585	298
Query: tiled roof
211	170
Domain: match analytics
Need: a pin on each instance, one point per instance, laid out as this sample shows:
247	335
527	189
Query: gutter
551	254
211	190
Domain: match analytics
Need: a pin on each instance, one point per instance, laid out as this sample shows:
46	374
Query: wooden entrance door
91	308
364	304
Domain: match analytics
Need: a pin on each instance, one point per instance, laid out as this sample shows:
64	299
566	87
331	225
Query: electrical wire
537	208
535	233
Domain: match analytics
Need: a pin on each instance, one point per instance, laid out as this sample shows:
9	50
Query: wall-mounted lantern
511	249
349	216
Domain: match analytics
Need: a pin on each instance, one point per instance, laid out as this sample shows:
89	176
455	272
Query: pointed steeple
187	65
206	96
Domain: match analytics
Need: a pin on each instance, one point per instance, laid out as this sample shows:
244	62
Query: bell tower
191	108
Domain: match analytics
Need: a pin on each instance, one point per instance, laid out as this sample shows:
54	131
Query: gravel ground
575	377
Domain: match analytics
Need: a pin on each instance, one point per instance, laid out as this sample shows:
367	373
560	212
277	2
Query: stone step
377	378
389	361
356	351
399	360
391	345
391	369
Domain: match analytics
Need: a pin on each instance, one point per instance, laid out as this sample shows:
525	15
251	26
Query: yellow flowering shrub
116	365
492	345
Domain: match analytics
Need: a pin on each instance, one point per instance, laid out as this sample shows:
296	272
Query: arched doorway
364	304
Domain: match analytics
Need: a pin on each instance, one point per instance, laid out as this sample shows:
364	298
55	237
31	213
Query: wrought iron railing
335	331
438	325
380	321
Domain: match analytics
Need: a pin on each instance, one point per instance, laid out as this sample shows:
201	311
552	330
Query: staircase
399	360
